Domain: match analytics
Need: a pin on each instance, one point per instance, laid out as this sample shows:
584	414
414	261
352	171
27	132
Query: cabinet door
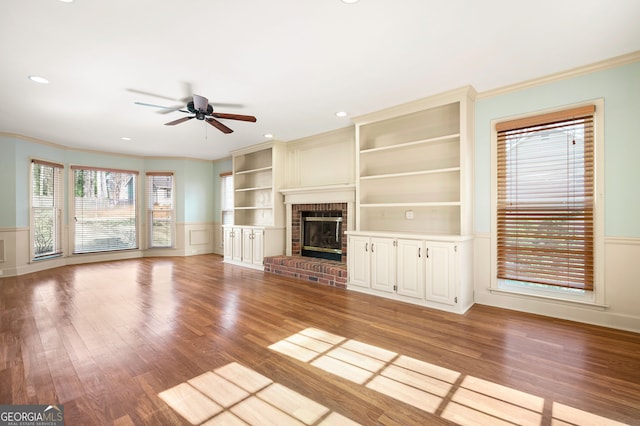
247	245
237	244
383	264
257	249
228	242
440	273
411	254
358	260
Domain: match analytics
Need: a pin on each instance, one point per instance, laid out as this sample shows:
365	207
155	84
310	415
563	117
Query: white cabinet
411	268
372	262
248	245
258	207
359	261
252	246
441	273
425	270
232	243
383	264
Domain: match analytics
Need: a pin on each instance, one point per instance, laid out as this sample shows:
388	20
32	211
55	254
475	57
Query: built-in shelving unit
259	216
414	166
414	227
257	200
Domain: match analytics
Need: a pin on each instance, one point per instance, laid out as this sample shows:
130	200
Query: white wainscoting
191	239
621	287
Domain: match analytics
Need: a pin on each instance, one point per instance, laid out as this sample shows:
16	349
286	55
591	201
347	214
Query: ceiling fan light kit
203	110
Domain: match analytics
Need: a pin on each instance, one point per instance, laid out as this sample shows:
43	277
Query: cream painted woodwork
440	261
383	264
414	166
432	271
248	245
414	169
252	246
410	259
359	260
372	263
258	206
257	178
322	160
232	243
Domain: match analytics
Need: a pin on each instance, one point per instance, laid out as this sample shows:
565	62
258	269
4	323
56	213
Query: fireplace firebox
322	234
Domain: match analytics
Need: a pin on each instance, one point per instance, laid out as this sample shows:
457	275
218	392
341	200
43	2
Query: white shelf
254	208
406	174
258	176
261	169
410	144
419	157
257	188
428	204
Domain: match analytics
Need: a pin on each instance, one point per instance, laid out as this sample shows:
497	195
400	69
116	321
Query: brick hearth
322	271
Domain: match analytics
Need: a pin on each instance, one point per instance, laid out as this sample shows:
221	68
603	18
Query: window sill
549	298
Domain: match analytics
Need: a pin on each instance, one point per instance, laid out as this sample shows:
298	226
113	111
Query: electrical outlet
408	214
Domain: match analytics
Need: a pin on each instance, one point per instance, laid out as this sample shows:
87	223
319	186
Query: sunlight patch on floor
565	415
237	395
465	400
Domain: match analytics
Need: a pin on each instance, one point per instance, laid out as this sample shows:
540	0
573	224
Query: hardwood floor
192	340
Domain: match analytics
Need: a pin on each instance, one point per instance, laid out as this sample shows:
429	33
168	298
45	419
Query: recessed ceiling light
341	114
38	79
66	1
268	135
125	138
350	1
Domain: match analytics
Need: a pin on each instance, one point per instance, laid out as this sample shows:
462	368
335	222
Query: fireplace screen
321	237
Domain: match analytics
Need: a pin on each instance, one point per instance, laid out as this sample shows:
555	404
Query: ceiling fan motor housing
200	115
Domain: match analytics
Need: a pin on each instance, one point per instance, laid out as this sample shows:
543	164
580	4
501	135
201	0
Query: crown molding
94	151
563	75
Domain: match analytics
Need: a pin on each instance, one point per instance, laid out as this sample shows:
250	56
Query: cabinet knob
371	247
366	246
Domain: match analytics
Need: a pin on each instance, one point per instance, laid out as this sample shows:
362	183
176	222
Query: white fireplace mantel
318	195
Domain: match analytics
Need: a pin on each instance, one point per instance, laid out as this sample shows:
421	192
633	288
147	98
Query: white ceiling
291	63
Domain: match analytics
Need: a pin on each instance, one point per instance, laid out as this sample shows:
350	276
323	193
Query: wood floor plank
106	339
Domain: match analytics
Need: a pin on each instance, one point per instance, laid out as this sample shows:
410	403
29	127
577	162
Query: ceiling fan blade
240	117
178	121
218	125
200	103
155	106
155	95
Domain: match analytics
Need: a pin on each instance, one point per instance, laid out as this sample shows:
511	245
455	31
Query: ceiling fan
203	111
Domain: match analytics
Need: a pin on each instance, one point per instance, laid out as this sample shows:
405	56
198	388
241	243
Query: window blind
160	208
46	209
545	217
104	209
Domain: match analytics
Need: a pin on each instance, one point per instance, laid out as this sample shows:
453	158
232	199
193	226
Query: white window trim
61	223
149	213
595	298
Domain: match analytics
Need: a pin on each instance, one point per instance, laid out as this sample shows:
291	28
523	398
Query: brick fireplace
297	211
332	198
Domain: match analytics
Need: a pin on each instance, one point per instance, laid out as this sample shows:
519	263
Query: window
46	209
545	211
161	216
105	210
226	202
